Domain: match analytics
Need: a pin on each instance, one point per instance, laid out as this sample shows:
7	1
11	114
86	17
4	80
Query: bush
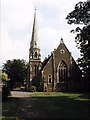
33	88
5	93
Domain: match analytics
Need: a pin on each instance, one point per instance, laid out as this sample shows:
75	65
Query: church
58	72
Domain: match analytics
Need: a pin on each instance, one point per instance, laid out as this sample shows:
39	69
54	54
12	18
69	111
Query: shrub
33	88
5	93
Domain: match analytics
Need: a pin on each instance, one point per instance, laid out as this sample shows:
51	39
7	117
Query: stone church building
58	72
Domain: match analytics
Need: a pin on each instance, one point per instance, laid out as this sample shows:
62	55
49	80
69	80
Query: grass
52	104
9	109
62	105
8	118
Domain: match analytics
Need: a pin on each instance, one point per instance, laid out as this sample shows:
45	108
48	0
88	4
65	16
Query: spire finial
61	40
35	8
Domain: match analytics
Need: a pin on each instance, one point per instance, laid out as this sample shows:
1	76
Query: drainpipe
71	72
52	71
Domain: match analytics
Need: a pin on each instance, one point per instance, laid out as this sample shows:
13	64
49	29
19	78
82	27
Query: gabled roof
63	45
45	62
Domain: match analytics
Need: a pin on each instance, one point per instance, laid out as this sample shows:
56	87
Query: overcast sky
17	21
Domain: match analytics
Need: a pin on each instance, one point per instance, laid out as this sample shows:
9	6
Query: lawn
62	105
9	109
53	105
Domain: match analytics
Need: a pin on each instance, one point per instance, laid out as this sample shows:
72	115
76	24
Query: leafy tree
81	15
5	77
16	70
5	89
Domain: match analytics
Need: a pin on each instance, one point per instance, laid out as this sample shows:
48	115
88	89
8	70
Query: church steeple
34	54
34	44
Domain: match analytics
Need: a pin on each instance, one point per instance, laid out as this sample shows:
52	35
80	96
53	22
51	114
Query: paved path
27	108
20	94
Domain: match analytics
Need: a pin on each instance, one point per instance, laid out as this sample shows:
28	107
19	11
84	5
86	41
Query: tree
16	70
5	77
5	89
81	15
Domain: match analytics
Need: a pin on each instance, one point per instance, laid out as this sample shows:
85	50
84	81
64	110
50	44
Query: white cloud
17	13
11	49
48	41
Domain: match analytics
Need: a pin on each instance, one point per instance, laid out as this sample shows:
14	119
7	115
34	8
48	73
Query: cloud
16	18
17	21
17	13
48	41
13	49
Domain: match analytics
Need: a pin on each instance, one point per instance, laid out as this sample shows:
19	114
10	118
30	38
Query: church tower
34	53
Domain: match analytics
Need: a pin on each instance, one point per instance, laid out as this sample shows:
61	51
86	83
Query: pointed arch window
49	78
62	72
35	54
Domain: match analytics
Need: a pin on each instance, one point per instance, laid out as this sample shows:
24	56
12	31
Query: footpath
26	107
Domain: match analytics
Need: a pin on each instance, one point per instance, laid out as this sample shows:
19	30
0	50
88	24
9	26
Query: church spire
34	54
34	44
34	39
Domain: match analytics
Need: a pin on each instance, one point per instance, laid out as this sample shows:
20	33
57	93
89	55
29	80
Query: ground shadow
26	108
85	95
52	107
10	108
